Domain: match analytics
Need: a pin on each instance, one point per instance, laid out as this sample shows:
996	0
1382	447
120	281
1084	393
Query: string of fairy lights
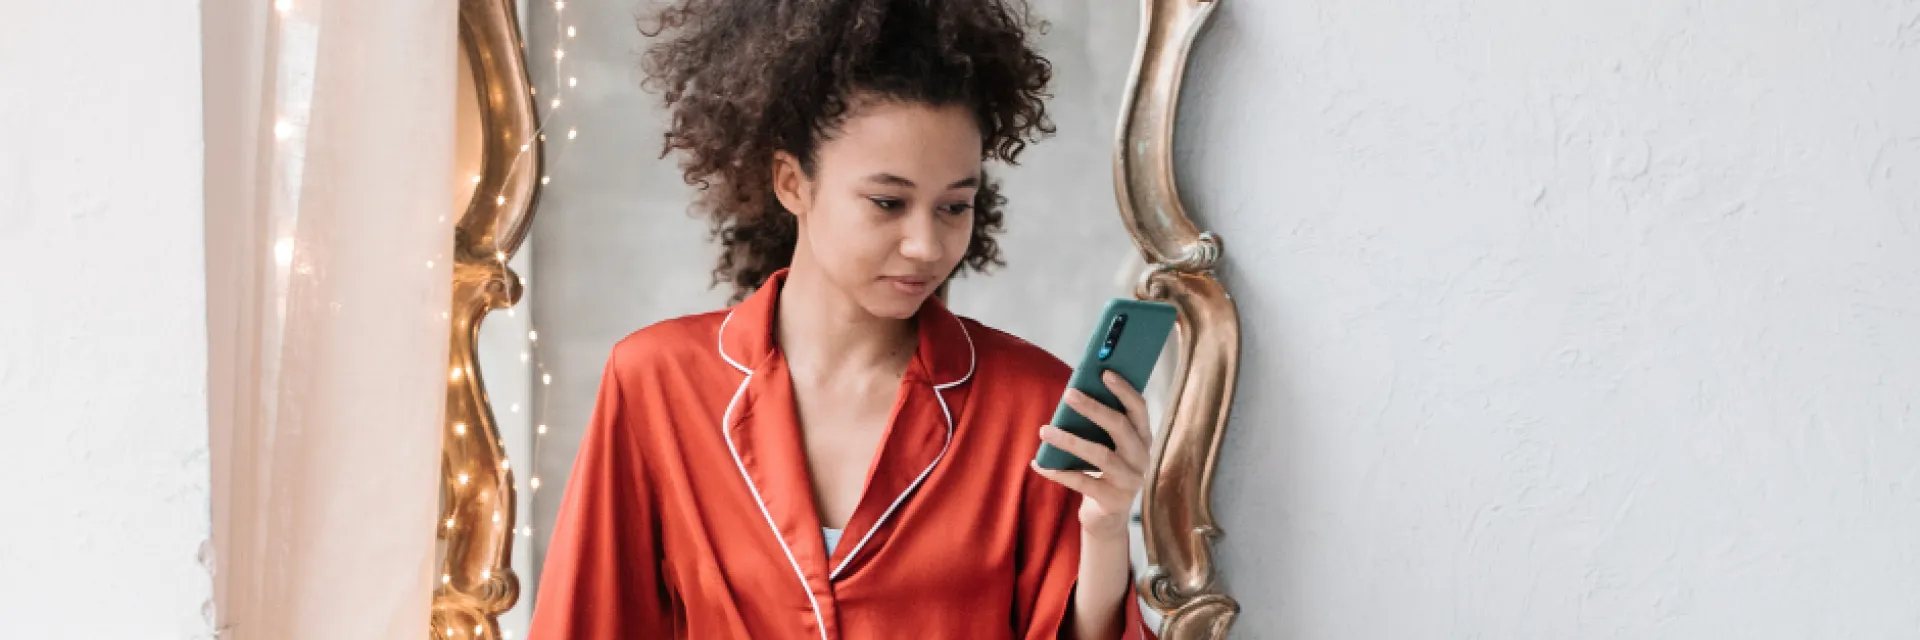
563	34
563	84
295	57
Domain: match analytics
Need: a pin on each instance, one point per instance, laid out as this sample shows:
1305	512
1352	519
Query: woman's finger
1095	489
1102	458
1075	480
1134	404
1119	479
1126	440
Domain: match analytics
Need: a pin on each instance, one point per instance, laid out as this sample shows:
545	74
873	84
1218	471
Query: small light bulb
559	54
500	255
530	90
447	578
515	408
282	130
559	4
506	465
523	147
429	264
546	378
569	31
444	315
533	335
449	523
464	478
496	516
459	428
546	179
572	133
283	5
283	251
499	200
528	532
524	356
483	575
454	374
476	178
510	312
573	81
543	429
556	103
543	137
535	483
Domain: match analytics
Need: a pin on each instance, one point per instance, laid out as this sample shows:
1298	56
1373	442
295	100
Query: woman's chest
841	433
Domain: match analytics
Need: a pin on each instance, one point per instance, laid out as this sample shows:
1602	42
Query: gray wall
615	248
1580	319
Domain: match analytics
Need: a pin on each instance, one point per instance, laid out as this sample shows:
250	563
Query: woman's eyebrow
897	181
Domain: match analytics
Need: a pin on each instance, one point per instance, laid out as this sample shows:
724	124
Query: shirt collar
945	355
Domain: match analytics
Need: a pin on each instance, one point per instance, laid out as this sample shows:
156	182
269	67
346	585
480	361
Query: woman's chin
897	305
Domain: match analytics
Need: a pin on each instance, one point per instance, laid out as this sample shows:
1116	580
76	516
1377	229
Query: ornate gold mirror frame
476	584
1177	503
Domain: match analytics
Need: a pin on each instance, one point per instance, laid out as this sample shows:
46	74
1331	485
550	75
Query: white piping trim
971	359
903	494
720	345
944	412
726	419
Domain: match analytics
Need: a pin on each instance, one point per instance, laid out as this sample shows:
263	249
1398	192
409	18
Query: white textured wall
1577	319
103	334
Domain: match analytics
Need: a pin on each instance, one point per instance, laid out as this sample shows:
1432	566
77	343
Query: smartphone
1127	340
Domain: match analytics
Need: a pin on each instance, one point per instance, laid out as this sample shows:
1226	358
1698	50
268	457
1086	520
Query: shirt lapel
925	418
764	433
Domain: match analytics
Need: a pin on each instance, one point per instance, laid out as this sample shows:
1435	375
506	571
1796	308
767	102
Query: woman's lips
909	285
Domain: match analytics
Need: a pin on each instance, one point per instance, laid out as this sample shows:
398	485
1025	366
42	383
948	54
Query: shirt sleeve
602	575
1049	566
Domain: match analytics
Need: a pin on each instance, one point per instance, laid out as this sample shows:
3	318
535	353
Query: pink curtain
330	139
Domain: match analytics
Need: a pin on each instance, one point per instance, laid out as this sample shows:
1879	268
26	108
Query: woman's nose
920	237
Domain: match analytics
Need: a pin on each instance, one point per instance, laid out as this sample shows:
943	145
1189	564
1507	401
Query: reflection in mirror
614	247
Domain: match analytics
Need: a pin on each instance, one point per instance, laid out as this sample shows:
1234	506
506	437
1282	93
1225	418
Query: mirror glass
615	245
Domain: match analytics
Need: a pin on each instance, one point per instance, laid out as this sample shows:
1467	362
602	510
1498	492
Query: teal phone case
1141	337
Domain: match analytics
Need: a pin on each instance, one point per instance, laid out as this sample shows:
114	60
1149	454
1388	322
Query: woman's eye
887	204
959	208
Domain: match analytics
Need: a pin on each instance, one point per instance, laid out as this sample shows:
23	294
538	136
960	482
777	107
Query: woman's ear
790	184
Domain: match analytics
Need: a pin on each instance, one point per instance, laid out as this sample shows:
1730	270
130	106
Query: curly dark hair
746	78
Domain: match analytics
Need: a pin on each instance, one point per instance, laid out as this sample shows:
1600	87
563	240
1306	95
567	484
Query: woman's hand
1108	498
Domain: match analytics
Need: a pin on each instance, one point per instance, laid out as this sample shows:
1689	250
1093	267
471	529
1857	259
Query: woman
838	456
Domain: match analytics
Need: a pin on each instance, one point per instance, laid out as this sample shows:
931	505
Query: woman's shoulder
671	341
1012	358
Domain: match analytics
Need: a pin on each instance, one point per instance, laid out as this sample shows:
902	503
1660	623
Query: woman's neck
826	334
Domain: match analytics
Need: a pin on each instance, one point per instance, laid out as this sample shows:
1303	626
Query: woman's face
888	212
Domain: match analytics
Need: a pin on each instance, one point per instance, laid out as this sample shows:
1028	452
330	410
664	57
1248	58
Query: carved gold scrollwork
1176	505
477	583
